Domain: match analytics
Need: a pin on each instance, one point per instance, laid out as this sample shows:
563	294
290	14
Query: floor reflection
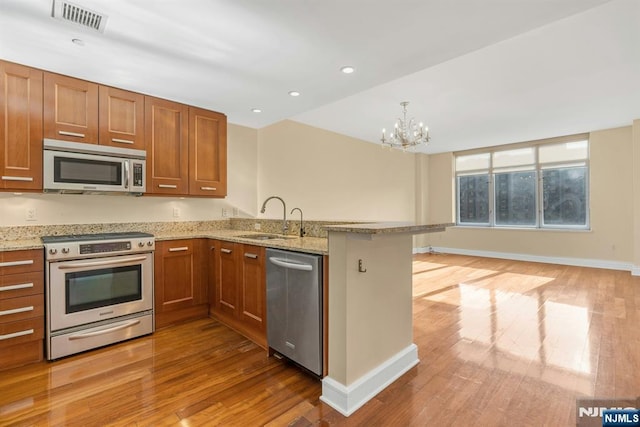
506	322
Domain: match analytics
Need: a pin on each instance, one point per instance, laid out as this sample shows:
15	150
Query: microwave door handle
126	175
99	263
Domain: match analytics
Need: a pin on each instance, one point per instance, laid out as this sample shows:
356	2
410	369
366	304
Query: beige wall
333	177
86	209
636	197
610	237
370	315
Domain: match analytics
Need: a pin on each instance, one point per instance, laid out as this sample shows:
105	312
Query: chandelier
406	134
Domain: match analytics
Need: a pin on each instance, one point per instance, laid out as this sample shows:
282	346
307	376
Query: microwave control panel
138	175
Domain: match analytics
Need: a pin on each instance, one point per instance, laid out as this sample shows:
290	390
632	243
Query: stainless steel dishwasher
294	307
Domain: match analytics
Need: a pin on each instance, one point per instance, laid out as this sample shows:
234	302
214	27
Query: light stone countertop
22	238
316	245
23	244
388	228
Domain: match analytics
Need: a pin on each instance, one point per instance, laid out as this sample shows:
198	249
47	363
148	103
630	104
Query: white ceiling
479	73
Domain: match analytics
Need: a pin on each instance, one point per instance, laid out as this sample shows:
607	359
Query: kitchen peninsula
369	302
370	310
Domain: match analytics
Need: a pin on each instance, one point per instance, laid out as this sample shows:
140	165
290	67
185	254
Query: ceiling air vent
87	18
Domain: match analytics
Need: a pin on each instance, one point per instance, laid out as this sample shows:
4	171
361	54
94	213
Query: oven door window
102	287
86	171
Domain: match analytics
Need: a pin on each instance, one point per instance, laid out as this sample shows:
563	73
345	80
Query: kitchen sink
264	237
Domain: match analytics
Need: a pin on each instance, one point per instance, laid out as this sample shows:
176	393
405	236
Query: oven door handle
123	325
100	263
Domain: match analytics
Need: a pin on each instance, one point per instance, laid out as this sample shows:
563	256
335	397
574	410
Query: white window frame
537	168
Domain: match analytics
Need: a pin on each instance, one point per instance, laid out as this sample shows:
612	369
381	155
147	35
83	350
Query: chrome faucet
284	217
302	232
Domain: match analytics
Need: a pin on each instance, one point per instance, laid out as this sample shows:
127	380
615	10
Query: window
536	186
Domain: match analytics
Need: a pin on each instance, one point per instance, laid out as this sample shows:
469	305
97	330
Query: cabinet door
226	280
175	275
207	153
70	109
121	118
167	146
253	291
20	127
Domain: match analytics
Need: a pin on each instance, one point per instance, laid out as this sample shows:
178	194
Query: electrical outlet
235	211
30	214
225	212
176	212
257	226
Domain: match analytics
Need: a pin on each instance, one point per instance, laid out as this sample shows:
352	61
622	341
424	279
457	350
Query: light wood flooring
501	343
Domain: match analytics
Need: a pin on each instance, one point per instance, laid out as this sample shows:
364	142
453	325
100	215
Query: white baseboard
579	262
348	399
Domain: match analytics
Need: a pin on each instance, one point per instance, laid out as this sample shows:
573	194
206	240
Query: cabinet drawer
21	308
14	262
21	331
175	247
20	285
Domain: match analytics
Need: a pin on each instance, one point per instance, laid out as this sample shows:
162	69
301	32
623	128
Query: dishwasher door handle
292	265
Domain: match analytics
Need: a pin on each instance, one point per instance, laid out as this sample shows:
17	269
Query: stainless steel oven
99	290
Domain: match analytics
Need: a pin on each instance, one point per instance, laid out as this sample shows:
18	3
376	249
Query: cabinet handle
225	251
252	256
14	287
15	263
167	186
122	141
65	133
17	178
208	188
213	248
16	334
180	249
16	310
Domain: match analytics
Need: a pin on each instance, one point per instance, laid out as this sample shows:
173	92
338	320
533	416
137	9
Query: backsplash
35	231
272	226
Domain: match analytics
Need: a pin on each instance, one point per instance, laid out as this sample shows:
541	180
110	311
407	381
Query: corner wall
636	198
332	176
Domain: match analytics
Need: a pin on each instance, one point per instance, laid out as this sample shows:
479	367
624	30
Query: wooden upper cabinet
207	153
70	109
167	145
20	127
121	118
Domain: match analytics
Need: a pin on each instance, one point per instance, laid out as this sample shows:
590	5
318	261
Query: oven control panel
97	248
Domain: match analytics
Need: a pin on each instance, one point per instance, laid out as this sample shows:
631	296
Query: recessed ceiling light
347	69
256	110
294	93
79	42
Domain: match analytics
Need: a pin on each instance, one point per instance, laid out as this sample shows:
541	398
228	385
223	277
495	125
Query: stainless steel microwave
71	167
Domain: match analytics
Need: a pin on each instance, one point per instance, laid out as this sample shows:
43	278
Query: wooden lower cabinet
21	307
180	290
237	288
